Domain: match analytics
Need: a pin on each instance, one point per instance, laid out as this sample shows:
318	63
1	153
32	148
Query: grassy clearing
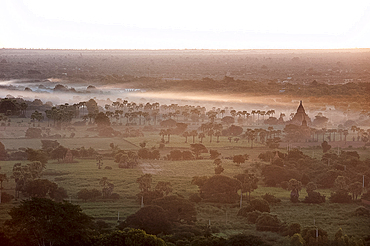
85	174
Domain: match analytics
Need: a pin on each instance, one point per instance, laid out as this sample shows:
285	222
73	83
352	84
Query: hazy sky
162	24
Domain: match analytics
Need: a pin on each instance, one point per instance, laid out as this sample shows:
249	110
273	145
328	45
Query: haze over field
184	123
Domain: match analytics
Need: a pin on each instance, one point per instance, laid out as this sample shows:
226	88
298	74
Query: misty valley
184	147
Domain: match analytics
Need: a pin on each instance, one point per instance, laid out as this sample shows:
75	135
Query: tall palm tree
345	133
194	133
258	112
201	136
253	113
186	135
210	134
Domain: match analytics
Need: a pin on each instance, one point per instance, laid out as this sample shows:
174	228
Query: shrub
219	169
108	167
175	155
86	194
214	154
177	208
220	189
279	174
114	196
268	222
366	196
149	196
260	205
340	197
33	133
151	219
187	155
266	156
297	240
362	211
253	216
292	229
314	197
244	211
327	179
5	197
18	155
270	198
309	235
195	198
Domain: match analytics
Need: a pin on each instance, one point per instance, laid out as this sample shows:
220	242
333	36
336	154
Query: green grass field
85	174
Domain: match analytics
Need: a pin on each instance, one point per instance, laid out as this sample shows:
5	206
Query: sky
190	24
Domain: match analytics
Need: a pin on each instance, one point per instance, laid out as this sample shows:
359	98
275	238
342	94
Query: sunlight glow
184	24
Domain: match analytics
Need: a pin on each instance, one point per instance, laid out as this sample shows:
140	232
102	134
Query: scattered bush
114	196
314	197
292	229
221	189
108	167
33	133
177	208
309	235
195	198
5	197
340	197
151	219
149	196
297	240
219	169
362	211
86	194
244	211
260	205
253	216
271	198
268	222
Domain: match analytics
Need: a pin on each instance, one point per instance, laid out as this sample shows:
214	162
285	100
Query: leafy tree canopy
41	221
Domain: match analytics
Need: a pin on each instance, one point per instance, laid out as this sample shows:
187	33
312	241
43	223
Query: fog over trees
191	147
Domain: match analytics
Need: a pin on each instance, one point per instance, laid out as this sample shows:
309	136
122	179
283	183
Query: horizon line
182	49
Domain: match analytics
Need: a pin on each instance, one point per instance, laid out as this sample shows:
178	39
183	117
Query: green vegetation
187	174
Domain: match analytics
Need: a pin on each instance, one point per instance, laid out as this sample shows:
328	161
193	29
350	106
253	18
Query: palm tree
340	131
251	135
162	133
201	136
210	134
194	133
263	113
258	116
186	135
99	160
218	134
253	113
323	134
168	133
345	133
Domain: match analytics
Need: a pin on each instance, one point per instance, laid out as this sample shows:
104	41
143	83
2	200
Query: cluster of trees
342	173
223	189
93	194
28	182
50	150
